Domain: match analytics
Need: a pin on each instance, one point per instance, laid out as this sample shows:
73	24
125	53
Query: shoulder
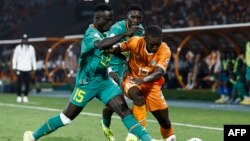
31	47
90	30
164	48
136	38
92	33
17	47
120	25
136	42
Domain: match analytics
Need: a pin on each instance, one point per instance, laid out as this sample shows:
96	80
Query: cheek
155	48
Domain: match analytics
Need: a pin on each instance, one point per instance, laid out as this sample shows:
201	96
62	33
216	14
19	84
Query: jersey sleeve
164	55
14	58
116	29
130	44
89	40
33	57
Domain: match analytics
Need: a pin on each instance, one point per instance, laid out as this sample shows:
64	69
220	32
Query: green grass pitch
15	118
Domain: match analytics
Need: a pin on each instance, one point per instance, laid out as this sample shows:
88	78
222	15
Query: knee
137	96
107	112
139	100
107	109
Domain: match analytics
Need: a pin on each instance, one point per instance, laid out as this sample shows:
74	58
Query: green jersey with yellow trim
93	62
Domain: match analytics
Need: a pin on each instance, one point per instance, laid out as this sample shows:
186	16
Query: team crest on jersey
153	63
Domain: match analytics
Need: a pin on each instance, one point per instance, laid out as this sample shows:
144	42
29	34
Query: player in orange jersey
148	61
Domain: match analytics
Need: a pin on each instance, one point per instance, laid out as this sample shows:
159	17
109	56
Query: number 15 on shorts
78	96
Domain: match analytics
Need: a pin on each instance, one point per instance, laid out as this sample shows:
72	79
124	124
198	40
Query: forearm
108	42
152	77
157	74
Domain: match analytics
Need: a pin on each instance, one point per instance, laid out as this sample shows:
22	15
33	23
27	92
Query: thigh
153	97
126	85
119	105
72	110
27	77
108	91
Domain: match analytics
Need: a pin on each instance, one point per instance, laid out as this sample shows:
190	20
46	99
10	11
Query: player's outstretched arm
108	42
157	74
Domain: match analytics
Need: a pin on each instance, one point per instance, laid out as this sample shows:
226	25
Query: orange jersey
142	63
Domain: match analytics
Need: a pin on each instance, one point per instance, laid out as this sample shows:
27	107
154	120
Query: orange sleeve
130	44
164	55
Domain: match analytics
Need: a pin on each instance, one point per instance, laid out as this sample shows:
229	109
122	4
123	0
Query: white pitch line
99	115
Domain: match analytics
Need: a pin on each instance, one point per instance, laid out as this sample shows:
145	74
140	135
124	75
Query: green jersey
92	78
92	62
117	64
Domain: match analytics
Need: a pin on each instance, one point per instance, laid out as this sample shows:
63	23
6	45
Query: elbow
159	76
98	45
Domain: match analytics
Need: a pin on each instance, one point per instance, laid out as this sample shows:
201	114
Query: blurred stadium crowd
167	13
198	71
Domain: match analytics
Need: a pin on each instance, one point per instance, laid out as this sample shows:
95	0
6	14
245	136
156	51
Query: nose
136	21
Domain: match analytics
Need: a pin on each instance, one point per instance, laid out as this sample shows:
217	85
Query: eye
134	17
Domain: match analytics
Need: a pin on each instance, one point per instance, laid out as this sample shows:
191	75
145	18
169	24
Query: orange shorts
152	93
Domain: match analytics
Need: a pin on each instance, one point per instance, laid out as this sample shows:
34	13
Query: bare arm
108	42
157	74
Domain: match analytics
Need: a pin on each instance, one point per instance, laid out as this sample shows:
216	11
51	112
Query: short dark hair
153	30
135	7
102	7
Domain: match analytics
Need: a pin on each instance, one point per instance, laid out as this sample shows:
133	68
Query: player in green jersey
92	71
118	61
